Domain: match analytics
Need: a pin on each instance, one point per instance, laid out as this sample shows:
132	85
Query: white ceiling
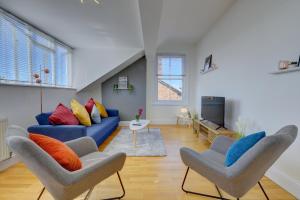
186	21
114	24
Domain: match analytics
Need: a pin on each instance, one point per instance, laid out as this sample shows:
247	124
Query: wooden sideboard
209	130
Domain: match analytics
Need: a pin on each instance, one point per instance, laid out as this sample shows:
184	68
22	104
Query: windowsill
169	103
12	83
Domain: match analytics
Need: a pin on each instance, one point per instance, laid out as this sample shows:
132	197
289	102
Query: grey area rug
148	143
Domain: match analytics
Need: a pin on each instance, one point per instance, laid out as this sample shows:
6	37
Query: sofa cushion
95	115
89	105
43	118
59	151
63	116
101	109
80	112
241	146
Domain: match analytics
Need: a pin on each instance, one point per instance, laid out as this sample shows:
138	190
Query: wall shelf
207	71
293	69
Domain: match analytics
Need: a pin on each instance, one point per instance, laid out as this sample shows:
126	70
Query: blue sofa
99	132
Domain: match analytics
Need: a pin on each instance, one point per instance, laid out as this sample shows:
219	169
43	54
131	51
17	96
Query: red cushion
89	105
63	116
63	154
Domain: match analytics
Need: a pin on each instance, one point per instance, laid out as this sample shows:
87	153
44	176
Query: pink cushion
89	105
63	116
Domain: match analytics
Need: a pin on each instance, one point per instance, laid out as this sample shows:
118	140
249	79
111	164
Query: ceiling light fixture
95	1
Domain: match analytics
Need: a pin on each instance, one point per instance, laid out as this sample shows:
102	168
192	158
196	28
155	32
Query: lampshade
183	110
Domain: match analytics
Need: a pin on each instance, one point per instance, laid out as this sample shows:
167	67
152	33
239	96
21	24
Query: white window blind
25	51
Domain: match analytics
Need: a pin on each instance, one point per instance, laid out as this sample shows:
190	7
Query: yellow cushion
101	109
80	112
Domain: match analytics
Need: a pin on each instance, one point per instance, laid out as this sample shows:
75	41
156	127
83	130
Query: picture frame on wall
123	82
207	63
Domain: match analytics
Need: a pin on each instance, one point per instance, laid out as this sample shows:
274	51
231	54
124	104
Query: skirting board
9	162
285	181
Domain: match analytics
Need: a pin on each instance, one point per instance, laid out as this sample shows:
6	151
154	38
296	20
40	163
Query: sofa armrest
112	112
62	132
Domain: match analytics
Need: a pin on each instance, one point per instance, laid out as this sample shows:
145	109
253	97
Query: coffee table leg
134	138
148	128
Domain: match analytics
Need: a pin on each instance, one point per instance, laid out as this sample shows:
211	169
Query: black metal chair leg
123	189
220	194
87	196
261	187
41	193
200	194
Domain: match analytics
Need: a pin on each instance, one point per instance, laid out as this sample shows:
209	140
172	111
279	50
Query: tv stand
210	131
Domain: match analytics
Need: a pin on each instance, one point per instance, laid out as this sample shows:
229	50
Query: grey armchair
63	184
240	177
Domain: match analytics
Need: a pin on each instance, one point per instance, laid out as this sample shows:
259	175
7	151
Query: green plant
130	87
241	128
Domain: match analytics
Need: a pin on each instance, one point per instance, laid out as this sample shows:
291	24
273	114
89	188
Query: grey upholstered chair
240	177
63	184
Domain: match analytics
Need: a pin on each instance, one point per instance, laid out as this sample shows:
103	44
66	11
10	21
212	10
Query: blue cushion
241	146
42	118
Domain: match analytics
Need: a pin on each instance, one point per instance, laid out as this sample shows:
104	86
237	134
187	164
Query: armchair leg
41	193
261	187
119	197
220	194
87	196
201	194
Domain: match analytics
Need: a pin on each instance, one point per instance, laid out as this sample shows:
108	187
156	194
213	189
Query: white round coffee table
134	126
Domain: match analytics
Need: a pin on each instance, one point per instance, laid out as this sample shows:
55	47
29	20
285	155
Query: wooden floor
145	178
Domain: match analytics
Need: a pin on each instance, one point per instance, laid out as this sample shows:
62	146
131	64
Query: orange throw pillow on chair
63	154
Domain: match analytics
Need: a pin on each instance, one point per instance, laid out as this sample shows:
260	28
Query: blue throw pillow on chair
241	146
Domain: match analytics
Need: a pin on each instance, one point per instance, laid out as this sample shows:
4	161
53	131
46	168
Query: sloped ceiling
114	23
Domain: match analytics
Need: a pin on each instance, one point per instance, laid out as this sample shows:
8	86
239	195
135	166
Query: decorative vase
137	118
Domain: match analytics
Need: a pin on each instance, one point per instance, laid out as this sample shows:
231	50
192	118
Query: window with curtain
170	79
25	52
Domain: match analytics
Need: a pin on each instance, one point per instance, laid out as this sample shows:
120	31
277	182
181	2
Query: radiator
4	150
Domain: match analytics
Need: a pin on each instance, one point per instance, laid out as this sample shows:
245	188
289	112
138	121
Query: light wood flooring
145	178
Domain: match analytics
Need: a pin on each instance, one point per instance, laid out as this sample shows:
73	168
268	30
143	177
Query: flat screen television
213	109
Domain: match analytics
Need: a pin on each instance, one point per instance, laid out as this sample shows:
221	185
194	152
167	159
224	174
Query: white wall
90	64
22	104
247	44
166	114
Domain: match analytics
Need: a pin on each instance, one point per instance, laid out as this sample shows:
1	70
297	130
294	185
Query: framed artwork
123	82
207	63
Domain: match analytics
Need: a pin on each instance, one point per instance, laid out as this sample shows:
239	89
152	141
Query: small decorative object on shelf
138	116
123	82
286	66
283	64
208	65
115	86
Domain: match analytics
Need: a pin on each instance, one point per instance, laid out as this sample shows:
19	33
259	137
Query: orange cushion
63	154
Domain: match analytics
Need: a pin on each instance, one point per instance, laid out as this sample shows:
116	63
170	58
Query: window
170	79
25	51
